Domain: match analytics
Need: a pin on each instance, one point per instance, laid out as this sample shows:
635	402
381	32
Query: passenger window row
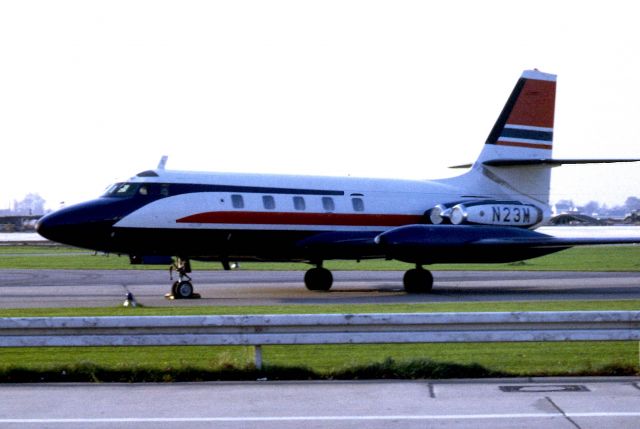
299	203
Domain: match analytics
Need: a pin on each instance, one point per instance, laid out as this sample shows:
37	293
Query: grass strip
431	307
347	362
590	258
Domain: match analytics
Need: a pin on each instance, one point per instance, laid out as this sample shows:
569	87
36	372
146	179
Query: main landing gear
319	279
416	280
182	288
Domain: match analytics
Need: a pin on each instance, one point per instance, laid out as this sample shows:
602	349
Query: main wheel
318	279
182	290
418	280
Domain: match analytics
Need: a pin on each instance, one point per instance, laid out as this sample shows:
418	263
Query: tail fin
524	129
511	164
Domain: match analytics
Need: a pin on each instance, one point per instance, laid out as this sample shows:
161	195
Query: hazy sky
91	91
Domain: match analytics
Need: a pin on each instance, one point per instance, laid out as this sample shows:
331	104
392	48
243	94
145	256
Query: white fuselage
281	202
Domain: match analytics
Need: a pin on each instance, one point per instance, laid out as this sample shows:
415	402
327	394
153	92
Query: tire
318	279
418	280
183	290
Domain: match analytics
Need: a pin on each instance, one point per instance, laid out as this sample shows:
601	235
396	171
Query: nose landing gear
181	288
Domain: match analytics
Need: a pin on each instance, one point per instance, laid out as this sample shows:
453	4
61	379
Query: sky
92	92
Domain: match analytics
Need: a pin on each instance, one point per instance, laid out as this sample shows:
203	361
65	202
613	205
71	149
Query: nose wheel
182	288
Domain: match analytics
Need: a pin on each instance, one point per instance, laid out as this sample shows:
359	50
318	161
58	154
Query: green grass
319	362
518	359
590	305
592	258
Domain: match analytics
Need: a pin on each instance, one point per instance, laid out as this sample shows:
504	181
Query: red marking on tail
527	145
535	105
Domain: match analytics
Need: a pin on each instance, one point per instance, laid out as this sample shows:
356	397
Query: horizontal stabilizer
513	162
462	166
552	162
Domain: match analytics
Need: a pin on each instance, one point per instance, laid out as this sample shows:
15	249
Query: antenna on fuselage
163	162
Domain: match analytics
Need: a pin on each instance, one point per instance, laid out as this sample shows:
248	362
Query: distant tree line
597	210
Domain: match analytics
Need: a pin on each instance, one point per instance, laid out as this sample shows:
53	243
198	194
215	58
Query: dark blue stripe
160	190
527	134
506	111
178	188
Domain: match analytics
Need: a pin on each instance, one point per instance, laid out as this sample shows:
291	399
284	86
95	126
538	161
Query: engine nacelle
487	212
440	213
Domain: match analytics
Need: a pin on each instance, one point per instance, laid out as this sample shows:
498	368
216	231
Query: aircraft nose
57	226
88	225
46	227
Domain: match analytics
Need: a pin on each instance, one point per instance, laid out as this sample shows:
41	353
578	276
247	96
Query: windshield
122	190
153	190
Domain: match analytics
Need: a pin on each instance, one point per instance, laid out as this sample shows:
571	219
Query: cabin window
237	202
328	204
154	190
268	202
358	204
298	203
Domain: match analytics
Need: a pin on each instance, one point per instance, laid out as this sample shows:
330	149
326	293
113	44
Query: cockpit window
154	190
122	190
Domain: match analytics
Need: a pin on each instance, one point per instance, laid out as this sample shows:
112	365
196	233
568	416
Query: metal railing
295	329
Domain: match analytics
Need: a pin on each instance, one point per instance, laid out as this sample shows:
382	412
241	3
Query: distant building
31	205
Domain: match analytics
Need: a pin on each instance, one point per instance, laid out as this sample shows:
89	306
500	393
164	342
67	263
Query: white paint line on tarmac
314	418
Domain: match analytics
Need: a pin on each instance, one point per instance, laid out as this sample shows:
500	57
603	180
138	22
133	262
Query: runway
95	288
558	403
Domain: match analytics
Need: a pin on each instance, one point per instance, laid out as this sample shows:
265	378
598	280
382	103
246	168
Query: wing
430	244
342	245
427	244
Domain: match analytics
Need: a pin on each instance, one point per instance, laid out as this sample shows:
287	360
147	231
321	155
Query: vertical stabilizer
523	134
524	129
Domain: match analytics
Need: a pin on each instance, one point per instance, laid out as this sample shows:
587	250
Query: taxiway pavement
557	403
93	288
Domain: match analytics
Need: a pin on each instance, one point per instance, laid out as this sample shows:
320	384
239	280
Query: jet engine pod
440	213
436	214
506	213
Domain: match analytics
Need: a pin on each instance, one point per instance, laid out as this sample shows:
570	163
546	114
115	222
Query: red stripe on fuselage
286	218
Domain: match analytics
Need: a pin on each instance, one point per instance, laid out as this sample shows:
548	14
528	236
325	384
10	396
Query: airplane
485	215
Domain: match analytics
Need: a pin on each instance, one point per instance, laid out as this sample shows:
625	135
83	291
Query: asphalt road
80	288
568	403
